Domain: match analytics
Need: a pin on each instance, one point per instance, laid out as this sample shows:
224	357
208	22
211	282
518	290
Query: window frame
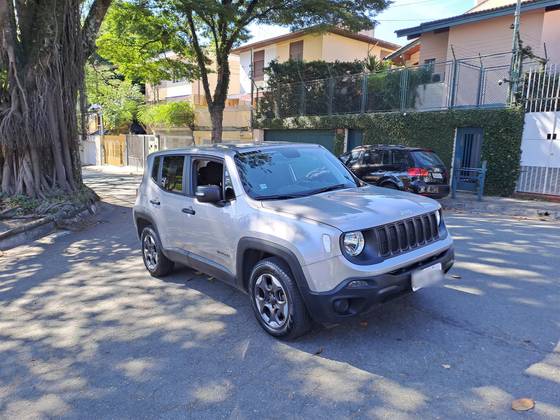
209	158
260	76
293	46
186	164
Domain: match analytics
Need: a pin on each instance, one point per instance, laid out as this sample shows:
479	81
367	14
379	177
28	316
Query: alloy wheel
150	252
272	301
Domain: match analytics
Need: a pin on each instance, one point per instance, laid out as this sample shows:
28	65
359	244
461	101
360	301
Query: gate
468	148
540	146
114	148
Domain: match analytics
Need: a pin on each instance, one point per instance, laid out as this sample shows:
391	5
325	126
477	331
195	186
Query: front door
468	149
211	240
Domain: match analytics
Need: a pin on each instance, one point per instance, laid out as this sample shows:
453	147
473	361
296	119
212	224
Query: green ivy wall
503	129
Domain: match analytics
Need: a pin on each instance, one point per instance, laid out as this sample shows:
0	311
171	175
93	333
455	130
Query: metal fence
541	88
138	146
435	86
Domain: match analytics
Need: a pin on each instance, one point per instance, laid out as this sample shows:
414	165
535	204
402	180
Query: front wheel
276	300
155	261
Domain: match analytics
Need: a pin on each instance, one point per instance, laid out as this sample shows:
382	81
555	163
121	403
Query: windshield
289	172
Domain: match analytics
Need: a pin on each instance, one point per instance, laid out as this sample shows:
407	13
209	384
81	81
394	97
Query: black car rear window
425	158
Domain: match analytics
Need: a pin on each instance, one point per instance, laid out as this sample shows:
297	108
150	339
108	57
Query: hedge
501	146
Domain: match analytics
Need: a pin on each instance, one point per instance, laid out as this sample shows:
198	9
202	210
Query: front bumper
379	289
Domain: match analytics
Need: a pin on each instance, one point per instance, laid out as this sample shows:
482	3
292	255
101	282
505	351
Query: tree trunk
217	118
42	57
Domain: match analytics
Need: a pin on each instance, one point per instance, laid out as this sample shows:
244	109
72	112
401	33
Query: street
85	332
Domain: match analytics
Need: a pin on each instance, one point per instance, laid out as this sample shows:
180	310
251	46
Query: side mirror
209	194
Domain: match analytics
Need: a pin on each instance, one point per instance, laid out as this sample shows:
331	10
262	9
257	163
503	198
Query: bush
501	147
167	115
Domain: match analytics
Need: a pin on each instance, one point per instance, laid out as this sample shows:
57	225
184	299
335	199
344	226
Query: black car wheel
276	300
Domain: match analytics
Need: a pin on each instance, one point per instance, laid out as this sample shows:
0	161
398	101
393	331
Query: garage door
323	137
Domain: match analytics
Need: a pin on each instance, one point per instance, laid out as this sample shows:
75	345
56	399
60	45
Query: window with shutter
258	65
296	51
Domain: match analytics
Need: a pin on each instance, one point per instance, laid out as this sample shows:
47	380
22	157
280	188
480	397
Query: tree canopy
203	33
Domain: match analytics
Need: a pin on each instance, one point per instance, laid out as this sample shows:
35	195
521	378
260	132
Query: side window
386	157
172	173
208	172
354	158
155	169
400	158
373	157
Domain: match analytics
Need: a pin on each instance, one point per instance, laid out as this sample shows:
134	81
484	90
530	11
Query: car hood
356	208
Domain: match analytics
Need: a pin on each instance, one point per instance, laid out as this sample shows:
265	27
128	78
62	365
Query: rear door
375	164
173	199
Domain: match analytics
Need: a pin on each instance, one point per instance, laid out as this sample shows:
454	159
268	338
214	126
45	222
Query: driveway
85	332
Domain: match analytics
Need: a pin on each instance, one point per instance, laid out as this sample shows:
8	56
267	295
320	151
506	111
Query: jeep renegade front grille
406	235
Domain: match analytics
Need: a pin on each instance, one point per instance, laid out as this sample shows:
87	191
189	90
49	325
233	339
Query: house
485	32
480	41
236	115
311	44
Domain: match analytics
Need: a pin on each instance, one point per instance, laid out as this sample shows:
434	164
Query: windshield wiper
327	189
279	197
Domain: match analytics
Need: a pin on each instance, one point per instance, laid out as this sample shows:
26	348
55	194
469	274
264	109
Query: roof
296	34
403	50
476	16
230	148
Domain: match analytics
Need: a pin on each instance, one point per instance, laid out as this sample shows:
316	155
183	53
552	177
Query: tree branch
200	58
92	24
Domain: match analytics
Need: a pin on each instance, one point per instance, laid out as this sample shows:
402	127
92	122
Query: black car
412	169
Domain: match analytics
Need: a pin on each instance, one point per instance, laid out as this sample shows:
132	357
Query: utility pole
516	55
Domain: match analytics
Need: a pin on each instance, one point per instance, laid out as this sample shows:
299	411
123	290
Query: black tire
297	322
160	265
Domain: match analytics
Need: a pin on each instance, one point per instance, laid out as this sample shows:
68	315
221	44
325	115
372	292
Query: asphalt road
85	332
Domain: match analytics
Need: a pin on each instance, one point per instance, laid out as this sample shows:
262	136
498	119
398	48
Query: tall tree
217	26
214	27
43	48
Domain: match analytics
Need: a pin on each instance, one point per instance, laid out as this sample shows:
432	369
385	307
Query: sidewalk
115	170
503	206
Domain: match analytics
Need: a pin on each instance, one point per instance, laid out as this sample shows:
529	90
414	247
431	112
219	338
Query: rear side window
155	169
400	158
172	173
373	157
426	158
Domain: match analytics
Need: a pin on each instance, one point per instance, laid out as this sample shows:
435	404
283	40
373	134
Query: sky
401	14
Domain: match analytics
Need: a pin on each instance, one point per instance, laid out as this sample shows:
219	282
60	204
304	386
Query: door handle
189	210
155	202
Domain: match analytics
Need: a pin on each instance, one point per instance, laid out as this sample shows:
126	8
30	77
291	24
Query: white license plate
437	176
428	276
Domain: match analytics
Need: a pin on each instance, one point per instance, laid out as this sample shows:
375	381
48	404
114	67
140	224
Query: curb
39	228
499	210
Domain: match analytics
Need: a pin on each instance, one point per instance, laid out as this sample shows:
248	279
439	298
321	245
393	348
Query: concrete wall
235	117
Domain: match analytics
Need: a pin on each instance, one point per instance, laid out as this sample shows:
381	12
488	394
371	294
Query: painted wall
434	46
551	35
341	48
193	91
312	47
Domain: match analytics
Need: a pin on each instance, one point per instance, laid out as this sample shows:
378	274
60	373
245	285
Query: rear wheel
156	263
276	300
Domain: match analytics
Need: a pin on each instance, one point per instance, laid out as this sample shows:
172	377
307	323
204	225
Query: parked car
289	225
411	169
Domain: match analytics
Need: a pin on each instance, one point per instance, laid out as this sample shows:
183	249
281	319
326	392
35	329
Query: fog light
341	306
355	284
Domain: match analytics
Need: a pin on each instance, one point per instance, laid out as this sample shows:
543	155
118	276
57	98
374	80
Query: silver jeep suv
292	227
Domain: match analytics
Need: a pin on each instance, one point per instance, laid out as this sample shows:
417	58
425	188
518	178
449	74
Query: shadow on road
85	332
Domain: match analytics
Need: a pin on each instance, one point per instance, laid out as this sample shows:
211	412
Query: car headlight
353	243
